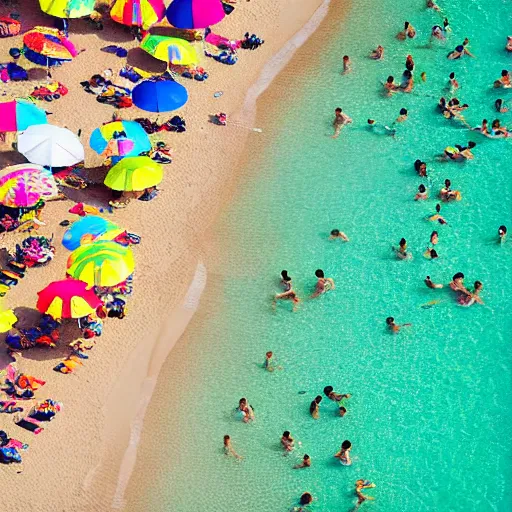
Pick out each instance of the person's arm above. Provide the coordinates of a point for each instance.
(467, 52)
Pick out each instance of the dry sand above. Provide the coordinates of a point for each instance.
(74, 464)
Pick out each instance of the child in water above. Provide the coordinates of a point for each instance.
(287, 441)
(347, 65)
(422, 194)
(393, 327)
(401, 252)
(361, 498)
(437, 217)
(336, 233)
(378, 53)
(244, 411)
(323, 284)
(268, 364)
(390, 87)
(432, 285)
(502, 233)
(314, 408)
(306, 462)
(229, 450)
(344, 454)
(474, 296)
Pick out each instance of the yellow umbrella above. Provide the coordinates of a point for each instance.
(134, 173)
(7, 320)
(170, 49)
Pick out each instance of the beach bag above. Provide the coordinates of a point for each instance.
(9, 27)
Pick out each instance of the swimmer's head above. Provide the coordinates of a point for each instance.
(403, 111)
(318, 399)
(433, 234)
(338, 110)
(226, 438)
(471, 144)
(438, 207)
(319, 273)
(403, 242)
(343, 411)
(498, 102)
(269, 354)
(346, 445)
(424, 76)
(457, 276)
(306, 456)
(427, 278)
(446, 22)
(390, 79)
(504, 72)
(502, 230)
(433, 254)
(285, 276)
(371, 121)
(485, 121)
(328, 390)
(459, 48)
(465, 42)
(496, 123)
(422, 188)
(306, 499)
(286, 434)
(478, 285)
(406, 25)
(242, 401)
(390, 320)
(442, 101)
(417, 164)
(447, 183)
(335, 232)
(346, 58)
(452, 76)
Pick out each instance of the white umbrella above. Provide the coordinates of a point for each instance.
(50, 145)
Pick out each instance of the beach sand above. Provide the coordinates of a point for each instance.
(74, 465)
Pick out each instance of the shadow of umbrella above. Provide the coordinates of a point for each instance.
(142, 60)
(11, 158)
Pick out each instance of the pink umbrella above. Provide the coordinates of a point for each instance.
(193, 14)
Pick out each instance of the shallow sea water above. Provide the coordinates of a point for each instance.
(431, 412)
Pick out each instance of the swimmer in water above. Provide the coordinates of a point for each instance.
(421, 168)
(430, 254)
(500, 106)
(390, 87)
(460, 51)
(422, 194)
(385, 130)
(336, 233)
(228, 448)
(361, 498)
(403, 116)
(408, 32)
(453, 85)
(437, 32)
(504, 81)
(473, 297)
(393, 327)
(340, 120)
(306, 462)
(457, 284)
(323, 284)
(378, 53)
(407, 81)
(432, 5)
(401, 252)
(245, 411)
(437, 217)
(447, 194)
(344, 454)
(508, 46)
(314, 408)
(347, 65)
(287, 441)
(409, 63)
(434, 237)
(305, 500)
(502, 233)
(432, 285)
(268, 364)
(497, 131)
(332, 395)
(288, 294)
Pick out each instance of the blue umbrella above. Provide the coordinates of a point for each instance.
(134, 132)
(159, 95)
(88, 225)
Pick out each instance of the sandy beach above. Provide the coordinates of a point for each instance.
(76, 462)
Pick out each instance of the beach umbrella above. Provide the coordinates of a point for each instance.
(7, 320)
(101, 263)
(170, 49)
(23, 185)
(193, 14)
(69, 298)
(67, 8)
(18, 115)
(135, 142)
(86, 229)
(138, 13)
(134, 174)
(47, 47)
(159, 95)
(50, 145)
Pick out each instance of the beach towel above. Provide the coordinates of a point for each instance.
(9, 407)
(223, 42)
(9, 27)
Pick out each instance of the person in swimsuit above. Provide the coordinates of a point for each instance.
(504, 81)
(402, 116)
(437, 217)
(430, 254)
(453, 85)
(361, 498)
(245, 411)
(268, 364)
(502, 233)
(432, 5)
(340, 120)
(500, 106)
(306, 462)
(378, 53)
(437, 32)
(508, 46)
(323, 284)
(347, 65)
(288, 294)
(390, 87)
(460, 51)
(432, 285)
(421, 168)
(287, 441)
(422, 194)
(474, 296)
(409, 63)
(305, 500)
(344, 454)
(385, 130)
(434, 237)
(314, 408)
(408, 32)
(393, 327)
(335, 397)
(407, 81)
(447, 194)
(401, 251)
(229, 450)
(336, 233)
(457, 284)
(497, 130)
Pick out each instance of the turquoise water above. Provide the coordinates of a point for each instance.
(430, 414)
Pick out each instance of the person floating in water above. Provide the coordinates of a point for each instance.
(432, 5)
(408, 32)
(305, 500)
(339, 398)
(228, 448)
(460, 51)
(474, 296)
(502, 233)
(323, 284)
(344, 454)
(385, 130)
(378, 53)
(336, 233)
(289, 293)
(347, 65)
(500, 106)
(437, 216)
(422, 193)
(390, 87)
(460, 153)
(305, 463)
(340, 120)
(432, 285)
(393, 327)
(287, 441)
(244, 411)
(361, 498)
(314, 408)
(401, 251)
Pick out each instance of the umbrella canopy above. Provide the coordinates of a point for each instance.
(101, 263)
(135, 134)
(159, 95)
(7, 320)
(47, 47)
(69, 298)
(170, 49)
(19, 114)
(138, 13)
(134, 174)
(86, 228)
(51, 146)
(67, 8)
(24, 185)
(194, 14)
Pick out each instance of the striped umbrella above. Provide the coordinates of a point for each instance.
(19, 114)
(194, 14)
(67, 8)
(47, 47)
(135, 142)
(170, 49)
(138, 13)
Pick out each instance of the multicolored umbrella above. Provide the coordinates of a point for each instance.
(86, 229)
(138, 13)
(134, 174)
(48, 47)
(135, 142)
(23, 185)
(19, 114)
(101, 263)
(170, 49)
(159, 95)
(50, 145)
(193, 14)
(67, 8)
(69, 298)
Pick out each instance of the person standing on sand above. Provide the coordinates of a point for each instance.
(229, 450)
(323, 284)
(340, 120)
